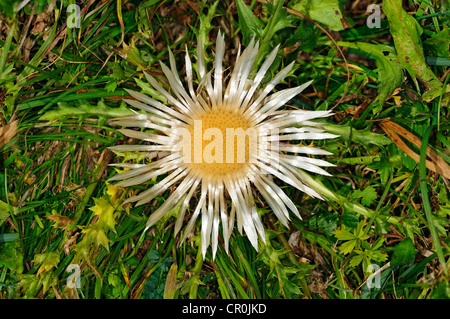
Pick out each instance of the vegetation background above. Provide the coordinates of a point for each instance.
(384, 72)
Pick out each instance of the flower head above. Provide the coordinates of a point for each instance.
(221, 141)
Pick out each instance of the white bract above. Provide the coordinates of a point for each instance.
(221, 141)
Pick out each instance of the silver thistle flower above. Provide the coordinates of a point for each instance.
(249, 144)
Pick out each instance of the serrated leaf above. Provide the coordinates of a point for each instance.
(205, 24)
(192, 281)
(47, 261)
(364, 137)
(384, 167)
(117, 71)
(102, 239)
(11, 257)
(283, 20)
(347, 247)
(378, 255)
(356, 260)
(250, 25)
(114, 192)
(343, 234)
(93, 235)
(369, 196)
(105, 212)
(390, 72)
(404, 253)
(30, 285)
(48, 280)
(111, 86)
(378, 243)
(83, 108)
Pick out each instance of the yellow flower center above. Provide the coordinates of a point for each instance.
(219, 143)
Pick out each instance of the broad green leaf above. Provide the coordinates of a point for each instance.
(327, 12)
(406, 32)
(404, 253)
(153, 255)
(155, 284)
(325, 222)
(349, 220)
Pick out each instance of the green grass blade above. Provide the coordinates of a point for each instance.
(426, 202)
